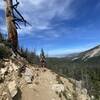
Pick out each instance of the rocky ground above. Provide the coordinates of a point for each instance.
(21, 81)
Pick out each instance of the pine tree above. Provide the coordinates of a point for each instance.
(1, 37)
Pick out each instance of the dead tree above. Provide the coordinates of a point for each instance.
(13, 16)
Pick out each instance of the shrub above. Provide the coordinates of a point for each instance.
(4, 52)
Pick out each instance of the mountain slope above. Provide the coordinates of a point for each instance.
(94, 52)
(36, 83)
(21, 81)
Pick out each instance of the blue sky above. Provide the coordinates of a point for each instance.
(58, 26)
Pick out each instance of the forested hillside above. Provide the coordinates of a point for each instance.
(88, 71)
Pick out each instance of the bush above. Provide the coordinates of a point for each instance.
(4, 52)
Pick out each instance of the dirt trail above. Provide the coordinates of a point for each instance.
(41, 89)
(50, 86)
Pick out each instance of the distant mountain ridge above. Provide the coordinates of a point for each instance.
(94, 52)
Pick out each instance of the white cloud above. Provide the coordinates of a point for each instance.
(40, 12)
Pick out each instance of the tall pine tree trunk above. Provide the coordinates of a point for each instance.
(12, 31)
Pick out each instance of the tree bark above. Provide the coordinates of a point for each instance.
(12, 31)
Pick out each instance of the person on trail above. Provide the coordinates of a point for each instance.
(42, 59)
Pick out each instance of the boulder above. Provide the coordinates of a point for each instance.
(15, 67)
(28, 75)
(3, 70)
(58, 87)
(13, 88)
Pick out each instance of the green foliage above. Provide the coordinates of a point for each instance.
(0, 37)
(31, 57)
(4, 52)
(42, 53)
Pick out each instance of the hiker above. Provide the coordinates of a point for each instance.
(42, 62)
